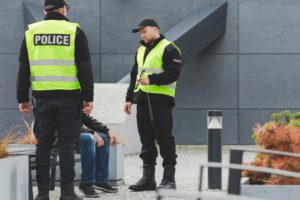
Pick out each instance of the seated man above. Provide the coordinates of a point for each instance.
(94, 143)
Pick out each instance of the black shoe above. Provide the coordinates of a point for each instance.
(88, 190)
(166, 184)
(168, 181)
(105, 187)
(143, 184)
(147, 182)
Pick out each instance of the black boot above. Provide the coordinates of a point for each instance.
(68, 193)
(168, 181)
(42, 196)
(43, 191)
(148, 180)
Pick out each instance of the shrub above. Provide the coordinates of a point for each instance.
(282, 133)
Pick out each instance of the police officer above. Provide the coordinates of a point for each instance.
(55, 62)
(152, 87)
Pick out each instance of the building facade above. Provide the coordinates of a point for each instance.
(249, 73)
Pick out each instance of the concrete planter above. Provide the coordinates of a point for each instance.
(14, 178)
(116, 165)
(274, 192)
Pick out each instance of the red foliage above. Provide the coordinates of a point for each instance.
(276, 137)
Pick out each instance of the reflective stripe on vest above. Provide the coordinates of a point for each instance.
(51, 53)
(155, 71)
(52, 62)
(54, 78)
(154, 64)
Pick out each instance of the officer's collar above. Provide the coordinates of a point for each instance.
(55, 16)
(154, 43)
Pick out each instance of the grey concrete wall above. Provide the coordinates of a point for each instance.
(249, 73)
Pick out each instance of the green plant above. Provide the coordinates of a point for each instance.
(297, 116)
(276, 118)
(287, 115)
(258, 155)
(294, 122)
(253, 136)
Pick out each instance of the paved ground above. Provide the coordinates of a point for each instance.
(187, 174)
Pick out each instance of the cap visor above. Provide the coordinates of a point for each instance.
(137, 29)
(49, 8)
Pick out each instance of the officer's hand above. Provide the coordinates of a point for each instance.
(127, 108)
(99, 140)
(88, 107)
(143, 81)
(24, 108)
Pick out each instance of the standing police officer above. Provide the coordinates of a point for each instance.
(153, 83)
(55, 61)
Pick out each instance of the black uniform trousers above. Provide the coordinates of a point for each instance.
(61, 116)
(160, 129)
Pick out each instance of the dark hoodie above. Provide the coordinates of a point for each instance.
(91, 124)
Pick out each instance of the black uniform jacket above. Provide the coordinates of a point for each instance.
(171, 65)
(83, 63)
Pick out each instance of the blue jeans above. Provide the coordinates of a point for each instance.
(94, 160)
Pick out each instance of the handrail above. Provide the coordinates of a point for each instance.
(236, 157)
(266, 151)
(180, 194)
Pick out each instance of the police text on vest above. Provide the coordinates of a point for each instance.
(52, 39)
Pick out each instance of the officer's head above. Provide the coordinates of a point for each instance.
(59, 6)
(148, 29)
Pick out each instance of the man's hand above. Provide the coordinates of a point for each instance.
(143, 81)
(99, 140)
(127, 107)
(24, 107)
(113, 138)
(88, 107)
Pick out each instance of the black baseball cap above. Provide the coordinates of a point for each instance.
(144, 23)
(50, 5)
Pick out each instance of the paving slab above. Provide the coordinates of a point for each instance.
(187, 174)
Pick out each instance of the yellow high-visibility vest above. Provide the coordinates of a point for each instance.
(154, 64)
(51, 53)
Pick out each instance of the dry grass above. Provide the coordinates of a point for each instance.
(28, 138)
(20, 134)
(8, 139)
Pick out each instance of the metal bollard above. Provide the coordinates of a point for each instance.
(214, 127)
